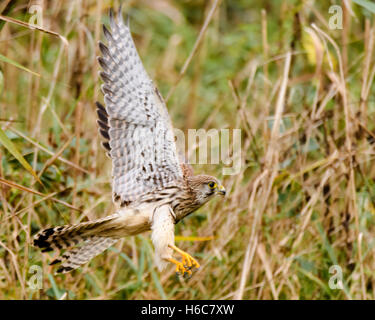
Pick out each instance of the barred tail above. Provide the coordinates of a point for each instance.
(81, 242)
(75, 257)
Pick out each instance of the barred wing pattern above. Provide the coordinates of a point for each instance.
(134, 121)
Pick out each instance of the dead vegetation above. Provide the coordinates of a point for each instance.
(299, 91)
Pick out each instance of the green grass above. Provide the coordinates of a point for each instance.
(303, 200)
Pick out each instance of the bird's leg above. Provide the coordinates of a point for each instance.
(188, 261)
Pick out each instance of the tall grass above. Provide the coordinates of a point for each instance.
(300, 92)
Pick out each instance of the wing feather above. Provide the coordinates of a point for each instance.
(135, 121)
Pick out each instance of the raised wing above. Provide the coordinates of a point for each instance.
(134, 121)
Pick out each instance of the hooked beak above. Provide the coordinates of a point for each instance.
(221, 190)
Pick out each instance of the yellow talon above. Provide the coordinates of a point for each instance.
(180, 268)
(188, 262)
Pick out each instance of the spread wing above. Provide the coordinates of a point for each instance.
(134, 121)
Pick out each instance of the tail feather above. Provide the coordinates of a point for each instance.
(81, 242)
(64, 237)
(76, 257)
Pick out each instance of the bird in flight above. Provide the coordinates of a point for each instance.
(151, 187)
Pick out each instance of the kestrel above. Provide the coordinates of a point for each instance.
(152, 188)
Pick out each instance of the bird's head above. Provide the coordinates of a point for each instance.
(205, 187)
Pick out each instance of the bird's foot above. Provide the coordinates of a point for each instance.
(181, 268)
(188, 262)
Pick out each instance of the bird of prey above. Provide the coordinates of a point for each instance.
(152, 188)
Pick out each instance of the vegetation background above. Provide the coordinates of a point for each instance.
(300, 91)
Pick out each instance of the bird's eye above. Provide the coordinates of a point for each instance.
(212, 185)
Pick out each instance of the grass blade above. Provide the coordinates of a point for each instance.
(193, 239)
(55, 288)
(16, 64)
(23, 188)
(32, 27)
(370, 6)
(5, 141)
(158, 285)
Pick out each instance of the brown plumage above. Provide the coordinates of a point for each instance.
(152, 188)
(84, 241)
